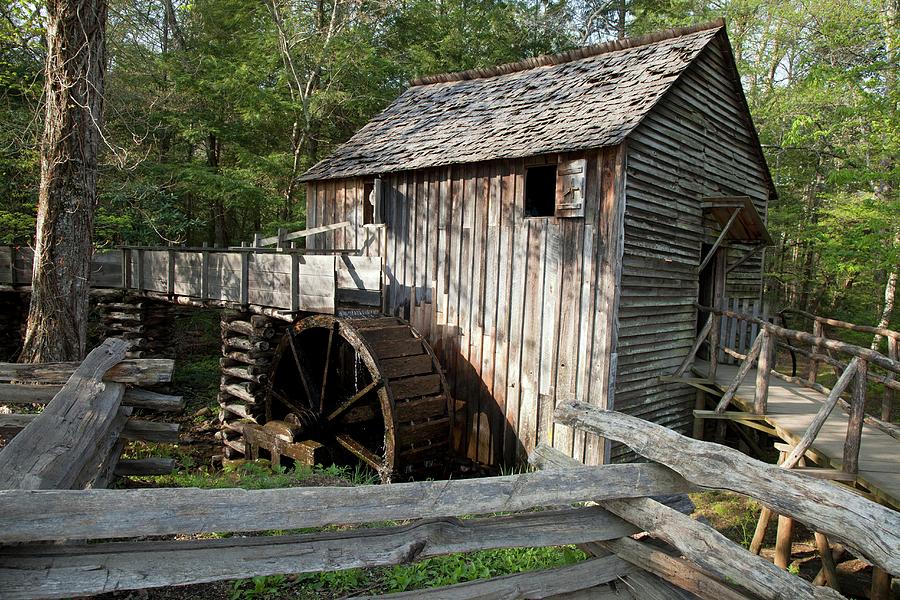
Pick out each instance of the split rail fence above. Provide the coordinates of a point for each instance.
(77, 439)
(102, 546)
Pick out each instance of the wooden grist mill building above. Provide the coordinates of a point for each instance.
(550, 226)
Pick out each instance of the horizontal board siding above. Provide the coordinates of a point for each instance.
(694, 144)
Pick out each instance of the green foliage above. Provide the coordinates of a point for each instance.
(257, 587)
(16, 227)
(432, 572)
(212, 114)
(459, 568)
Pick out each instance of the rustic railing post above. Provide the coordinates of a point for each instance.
(140, 270)
(257, 240)
(716, 321)
(204, 274)
(281, 244)
(763, 371)
(887, 401)
(170, 272)
(295, 280)
(857, 415)
(126, 268)
(818, 331)
(245, 274)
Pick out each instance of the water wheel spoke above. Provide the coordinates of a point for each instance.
(327, 365)
(360, 451)
(304, 376)
(284, 400)
(354, 399)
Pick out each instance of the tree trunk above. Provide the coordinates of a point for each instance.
(213, 150)
(890, 292)
(75, 73)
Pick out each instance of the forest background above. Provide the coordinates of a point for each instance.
(215, 107)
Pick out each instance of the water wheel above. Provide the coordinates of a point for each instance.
(366, 390)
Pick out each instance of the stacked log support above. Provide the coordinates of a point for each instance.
(13, 316)
(248, 346)
(147, 325)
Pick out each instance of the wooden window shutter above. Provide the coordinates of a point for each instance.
(375, 200)
(570, 182)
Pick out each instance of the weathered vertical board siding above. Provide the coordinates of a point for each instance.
(695, 143)
(335, 201)
(509, 303)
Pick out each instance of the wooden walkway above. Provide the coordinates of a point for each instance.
(791, 408)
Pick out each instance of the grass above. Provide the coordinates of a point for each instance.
(256, 475)
(432, 572)
(730, 514)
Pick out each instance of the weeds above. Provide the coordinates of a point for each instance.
(258, 587)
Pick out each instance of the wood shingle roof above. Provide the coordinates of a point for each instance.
(587, 98)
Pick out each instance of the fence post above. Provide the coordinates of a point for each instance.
(281, 244)
(763, 371)
(887, 401)
(855, 424)
(818, 331)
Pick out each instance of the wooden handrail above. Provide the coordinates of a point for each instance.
(284, 237)
(809, 339)
(890, 333)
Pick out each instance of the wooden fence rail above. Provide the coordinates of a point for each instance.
(76, 441)
(712, 567)
(873, 530)
(96, 528)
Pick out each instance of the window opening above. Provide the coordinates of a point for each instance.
(540, 191)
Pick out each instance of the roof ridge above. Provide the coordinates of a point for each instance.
(568, 56)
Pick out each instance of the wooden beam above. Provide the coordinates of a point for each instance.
(819, 420)
(141, 371)
(52, 451)
(808, 339)
(21, 393)
(704, 332)
(712, 251)
(294, 235)
(850, 462)
(711, 551)
(870, 529)
(676, 570)
(729, 415)
(750, 254)
(742, 371)
(48, 571)
(888, 333)
(93, 514)
(134, 429)
(763, 371)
